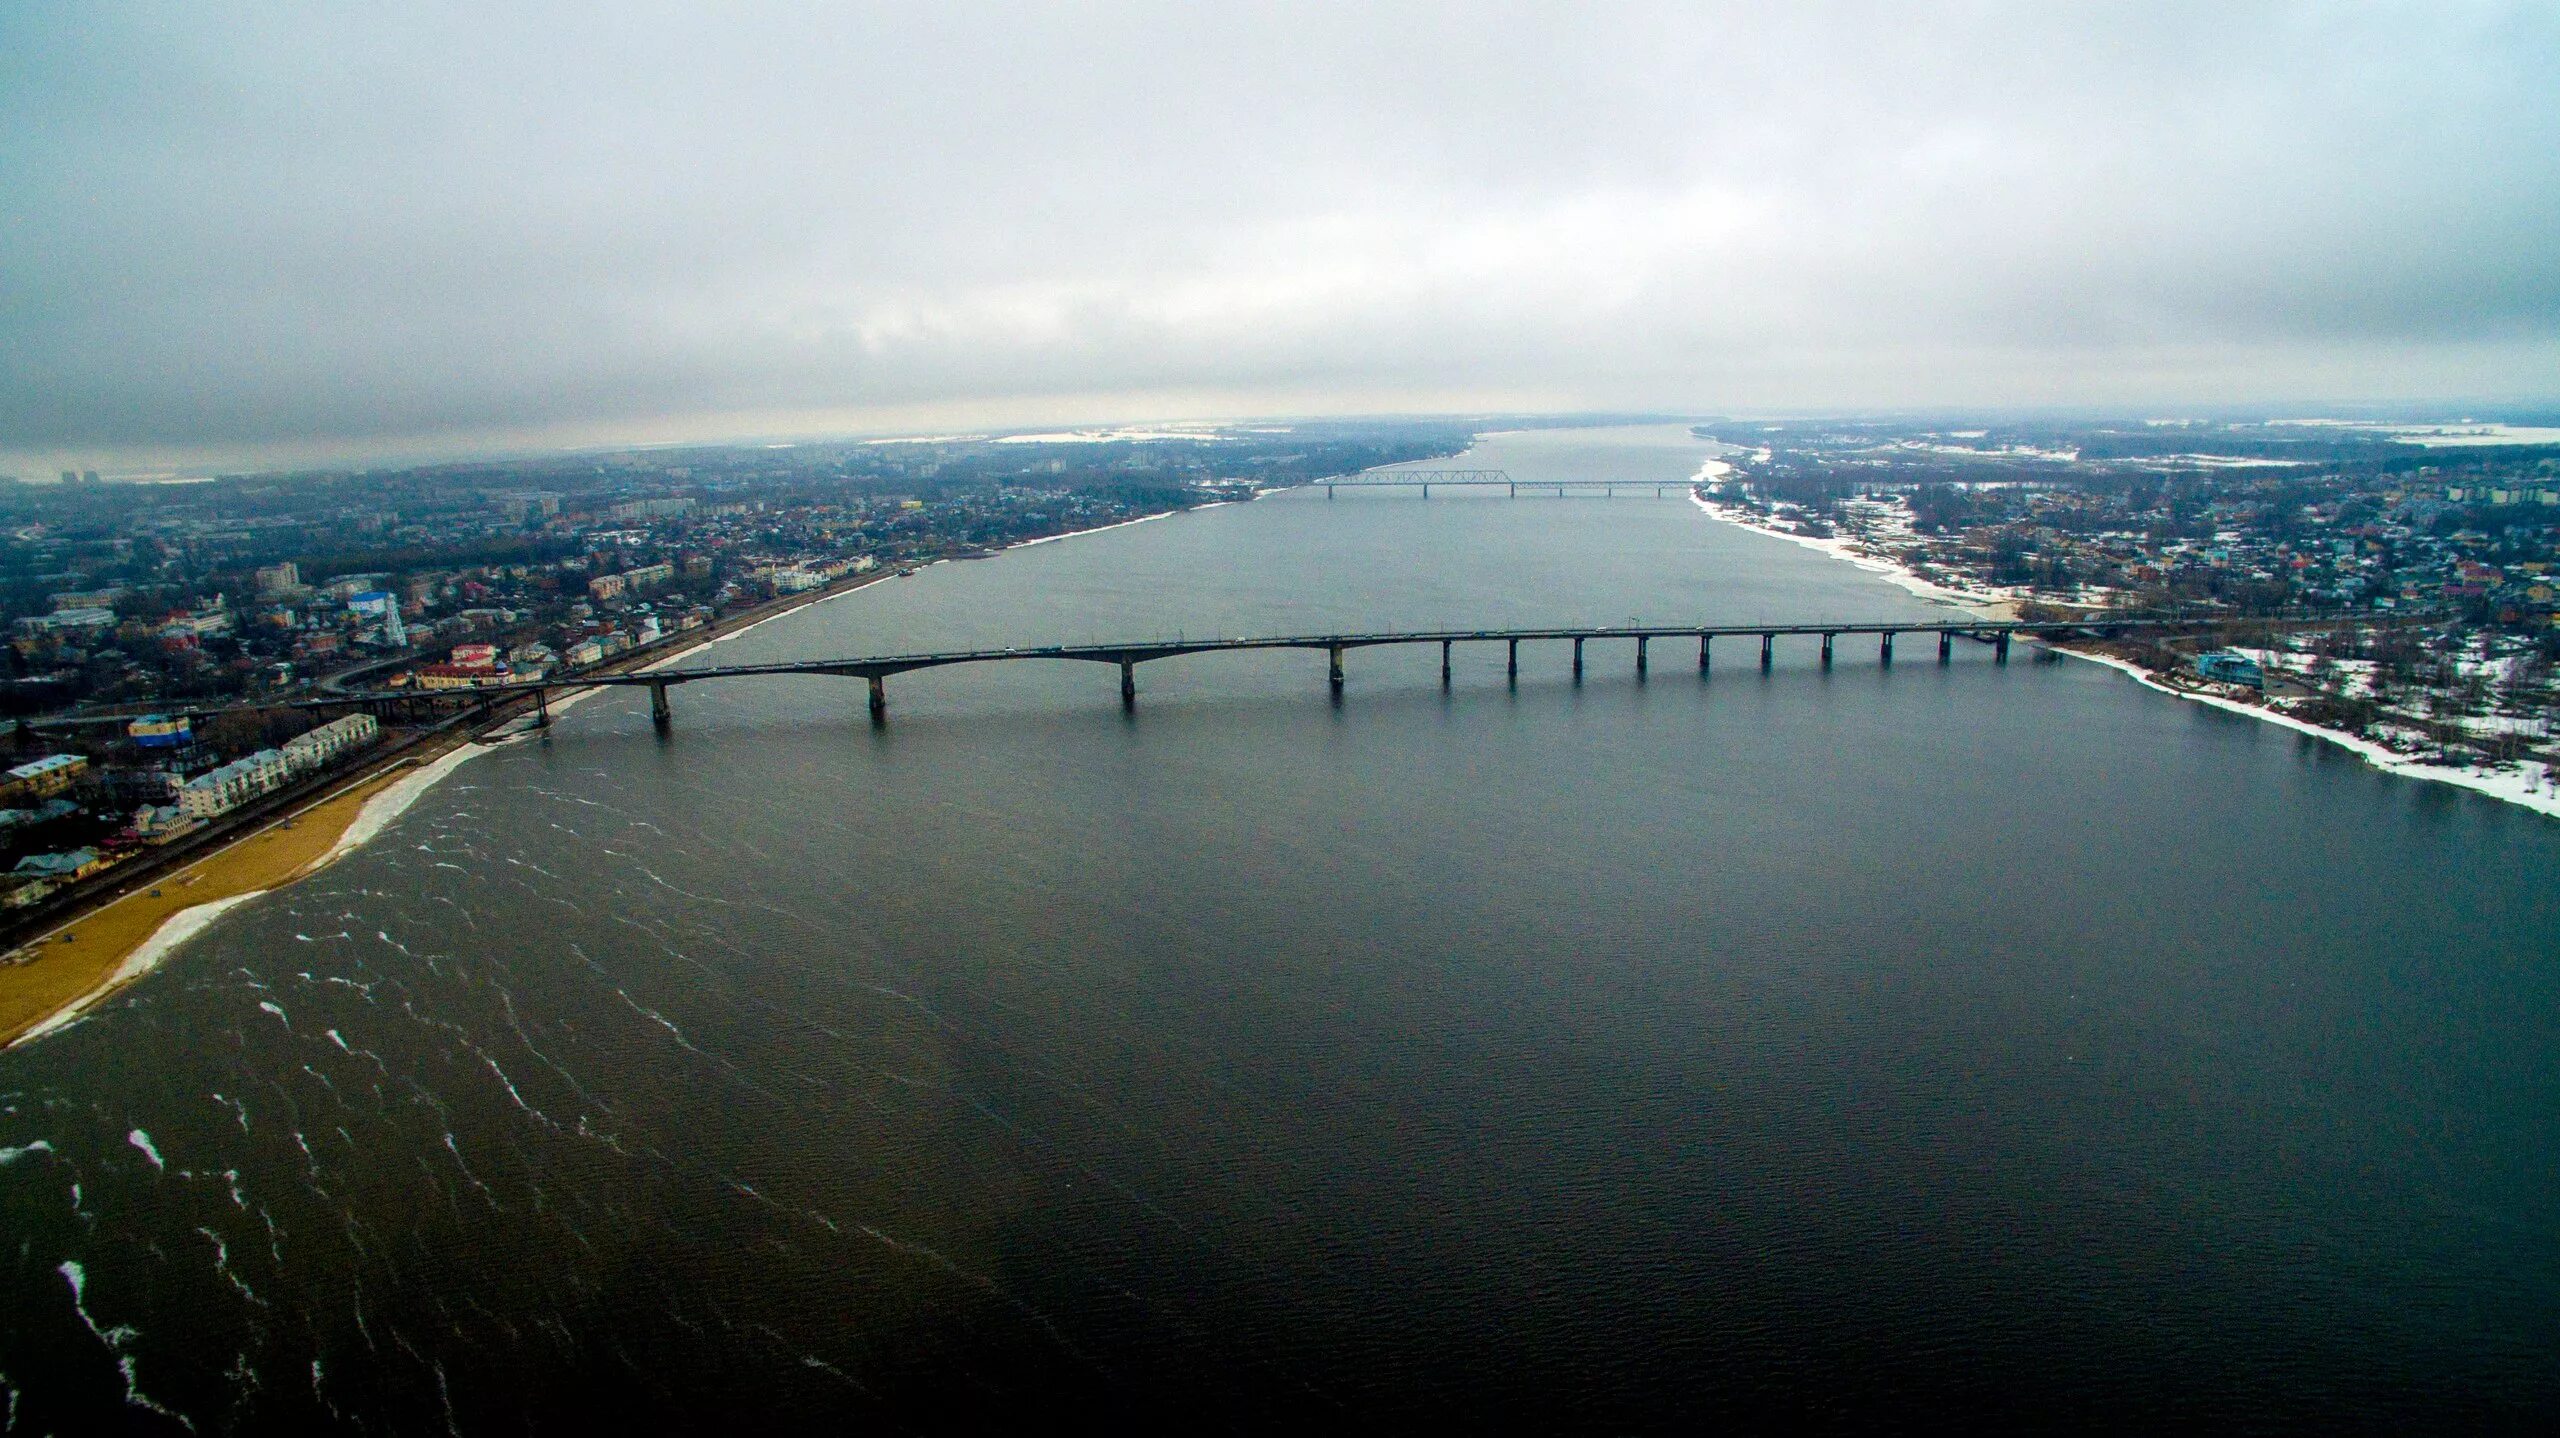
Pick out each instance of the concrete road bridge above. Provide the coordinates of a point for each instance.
(878, 669)
(1503, 479)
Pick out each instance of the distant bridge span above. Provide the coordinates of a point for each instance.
(1423, 479)
(1127, 656)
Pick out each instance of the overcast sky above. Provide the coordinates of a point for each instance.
(264, 234)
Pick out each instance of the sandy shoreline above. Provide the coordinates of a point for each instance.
(77, 965)
(121, 941)
(2528, 785)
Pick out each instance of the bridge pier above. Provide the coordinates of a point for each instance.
(1426, 491)
(1946, 646)
(1577, 661)
(2000, 648)
(1128, 684)
(1334, 669)
(1703, 641)
(1328, 491)
(660, 716)
(1884, 650)
(542, 709)
(879, 700)
(1515, 664)
(1826, 649)
(1640, 639)
(1768, 651)
(1444, 662)
(1515, 491)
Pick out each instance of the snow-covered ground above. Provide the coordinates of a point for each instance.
(2529, 783)
(1880, 524)
(2462, 433)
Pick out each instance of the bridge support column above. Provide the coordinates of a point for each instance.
(660, 716)
(1768, 651)
(1328, 491)
(1515, 491)
(1884, 650)
(1826, 651)
(1444, 663)
(1515, 664)
(1577, 661)
(2000, 648)
(542, 709)
(1640, 656)
(1426, 491)
(1333, 675)
(1128, 684)
(1703, 642)
(879, 700)
(1946, 646)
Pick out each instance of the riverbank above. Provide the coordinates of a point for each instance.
(2527, 783)
(70, 969)
(1983, 604)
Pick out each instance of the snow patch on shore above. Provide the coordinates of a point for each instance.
(1099, 528)
(1840, 549)
(2527, 785)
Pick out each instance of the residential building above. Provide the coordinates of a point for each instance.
(56, 868)
(67, 621)
(222, 790)
(321, 747)
(43, 778)
(454, 676)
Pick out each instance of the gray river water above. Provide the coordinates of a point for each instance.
(1856, 1047)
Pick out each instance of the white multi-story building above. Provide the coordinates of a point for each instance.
(321, 747)
(222, 790)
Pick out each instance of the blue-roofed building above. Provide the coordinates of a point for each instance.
(2230, 666)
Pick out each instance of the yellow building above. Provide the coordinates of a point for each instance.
(43, 778)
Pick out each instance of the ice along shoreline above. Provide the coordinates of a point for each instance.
(2530, 785)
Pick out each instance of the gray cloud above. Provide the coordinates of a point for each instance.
(334, 229)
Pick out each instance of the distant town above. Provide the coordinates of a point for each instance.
(160, 632)
(2407, 575)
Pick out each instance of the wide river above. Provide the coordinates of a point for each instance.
(1842, 1047)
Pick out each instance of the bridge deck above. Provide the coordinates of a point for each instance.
(1128, 654)
(1133, 652)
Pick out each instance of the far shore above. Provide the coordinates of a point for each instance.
(1981, 606)
(2516, 786)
